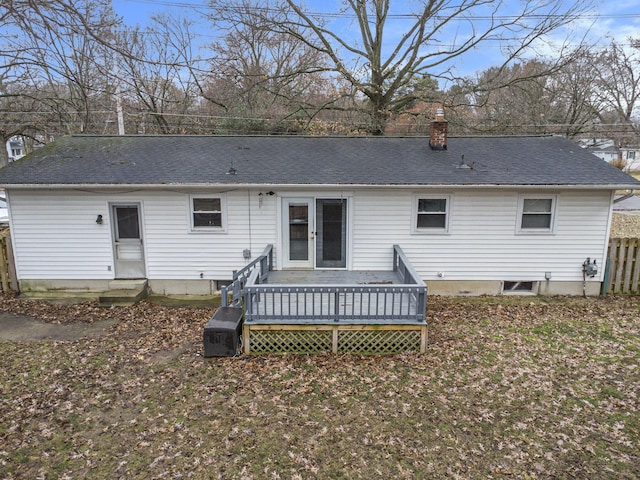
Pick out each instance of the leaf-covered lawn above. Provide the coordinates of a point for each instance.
(510, 387)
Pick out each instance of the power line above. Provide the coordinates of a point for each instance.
(616, 127)
(346, 15)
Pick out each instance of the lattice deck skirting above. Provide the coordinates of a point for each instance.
(334, 338)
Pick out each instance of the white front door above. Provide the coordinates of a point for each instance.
(127, 241)
(298, 234)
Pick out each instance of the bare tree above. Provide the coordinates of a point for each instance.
(378, 70)
(573, 103)
(155, 74)
(507, 100)
(416, 116)
(618, 89)
(269, 80)
(52, 68)
(530, 98)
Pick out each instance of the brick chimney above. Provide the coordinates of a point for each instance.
(438, 136)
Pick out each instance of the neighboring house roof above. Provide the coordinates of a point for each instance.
(605, 148)
(304, 160)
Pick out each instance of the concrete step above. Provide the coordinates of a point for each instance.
(134, 284)
(123, 296)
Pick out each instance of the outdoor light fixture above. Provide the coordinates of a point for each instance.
(261, 196)
(99, 220)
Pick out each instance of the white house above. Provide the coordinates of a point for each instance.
(473, 215)
(15, 149)
(606, 150)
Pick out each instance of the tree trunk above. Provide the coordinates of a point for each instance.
(4, 154)
(379, 118)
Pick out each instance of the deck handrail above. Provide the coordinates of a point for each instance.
(266, 263)
(313, 303)
(240, 277)
(404, 268)
(364, 303)
(402, 265)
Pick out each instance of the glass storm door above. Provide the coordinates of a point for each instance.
(127, 242)
(297, 232)
(331, 233)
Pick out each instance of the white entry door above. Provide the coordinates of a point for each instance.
(127, 241)
(298, 235)
(314, 233)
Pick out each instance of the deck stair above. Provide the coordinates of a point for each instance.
(124, 292)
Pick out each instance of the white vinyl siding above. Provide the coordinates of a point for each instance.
(174, 252)
(55, 234)
(482, 242)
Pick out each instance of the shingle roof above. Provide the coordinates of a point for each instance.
(292, 160)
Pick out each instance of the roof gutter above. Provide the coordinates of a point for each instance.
(624, 197)
(298, 186)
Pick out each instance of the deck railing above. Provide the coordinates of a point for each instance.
(383, 304)
(409, 276)
(260, 267)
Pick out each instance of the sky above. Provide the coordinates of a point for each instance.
(618, 19)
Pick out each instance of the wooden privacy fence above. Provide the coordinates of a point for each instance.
(622, 273)
(8, 277)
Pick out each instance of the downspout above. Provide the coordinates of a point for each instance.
(625, 196)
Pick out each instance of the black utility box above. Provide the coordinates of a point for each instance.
(222, 333)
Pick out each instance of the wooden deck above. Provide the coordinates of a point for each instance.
(311, 311)
(314, 304)
(311, 297)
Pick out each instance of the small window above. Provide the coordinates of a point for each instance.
(207, 212)
(432, 214)
(536, 214)
(517, 287)
(631, 155)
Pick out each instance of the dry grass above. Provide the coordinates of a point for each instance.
(510, 388)
(625, 225)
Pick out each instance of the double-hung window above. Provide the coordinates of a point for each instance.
(536, 214)
(207, 213)
(431, 214)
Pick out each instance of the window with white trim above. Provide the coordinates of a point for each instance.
(536, 214)
(431, 214)
(207, 212)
